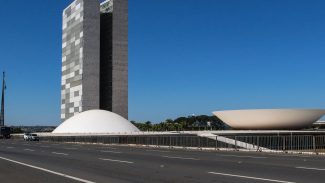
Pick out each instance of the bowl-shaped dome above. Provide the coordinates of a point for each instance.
(96, 121)
(270, 119)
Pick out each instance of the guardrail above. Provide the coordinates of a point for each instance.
(287, 143)
(300, 143)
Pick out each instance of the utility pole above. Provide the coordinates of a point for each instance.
(2, 115)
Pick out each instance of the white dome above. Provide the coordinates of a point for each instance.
(96, 121)
(270, 119)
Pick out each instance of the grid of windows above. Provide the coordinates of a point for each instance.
(94, 57)
(72, 59)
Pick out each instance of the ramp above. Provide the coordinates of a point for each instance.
(233, 142)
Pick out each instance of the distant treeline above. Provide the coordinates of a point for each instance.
(202, 122)
(24, 129)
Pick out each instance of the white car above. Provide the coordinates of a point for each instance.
(31, 137)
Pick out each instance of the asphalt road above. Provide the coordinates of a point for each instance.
(32, 162)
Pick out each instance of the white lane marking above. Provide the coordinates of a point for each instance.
(70, 148)
(292, 155)
(76, 145)
(10, 147)
(177, 157)
(45, 146)
(108, 148)
(29, 150)
(115, 152)
(60, 153)
(156, 151)
(311, 168)
(115, 160)
(47, 170)
(238, 156)
(248, 177)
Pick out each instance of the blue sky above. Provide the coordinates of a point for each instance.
(185, 57)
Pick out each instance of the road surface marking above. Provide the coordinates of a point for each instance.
(238, 156)
(157, 151)
(70, 148)
(107, 148)
(47, 170)
(116, 152)
(177, 157)
(310, 168)
(76, 145)
(10, 147)
(60, 153)
(115, 160)
(292, 155)
(45, 146)
(29, 150)
(247, 177)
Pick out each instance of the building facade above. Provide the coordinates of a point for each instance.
(95, 57)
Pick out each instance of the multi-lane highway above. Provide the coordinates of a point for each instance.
(58, 162)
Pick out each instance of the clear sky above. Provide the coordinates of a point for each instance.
(185, 57)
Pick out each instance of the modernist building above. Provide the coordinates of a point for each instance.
(95, 57)
(270, 119)
(102, 122)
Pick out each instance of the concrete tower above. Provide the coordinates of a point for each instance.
(95, 57)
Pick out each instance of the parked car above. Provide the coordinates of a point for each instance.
(31, 137)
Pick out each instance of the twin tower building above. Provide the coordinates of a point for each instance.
(95, 57)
